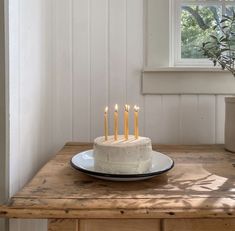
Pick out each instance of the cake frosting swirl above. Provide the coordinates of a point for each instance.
(132, 156)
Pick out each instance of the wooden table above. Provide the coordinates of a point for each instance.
(198, 194)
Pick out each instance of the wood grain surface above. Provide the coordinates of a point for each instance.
(63, 224)
(202, 184)
(120, 225)
(199, 225)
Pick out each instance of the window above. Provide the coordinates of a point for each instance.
(192, 23)
(172, 34)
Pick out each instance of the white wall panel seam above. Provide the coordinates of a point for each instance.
(144, 116)
(89, 36)
(72, 69)
(108, 52)
(108, 58)
(216, 125)
(54, 85)
(180, 119)
(20, 90)
(126, 54)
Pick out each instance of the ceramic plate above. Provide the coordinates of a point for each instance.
(84, 162)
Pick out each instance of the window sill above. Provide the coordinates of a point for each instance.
(183, 69)
(187, 80)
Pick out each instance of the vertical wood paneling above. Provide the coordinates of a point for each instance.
(14, 225)
(206, 124)
(62, 71)
(46, 110)
(220, 119)
(120, 224)
(99, 65)
(30, 95)
(14, 102)
(154, 118)
(63, 224)
(30, 86)
(14, 92)
(35, 225)
(171, 118)
(188, 119)
(134, 57)
(81, 70)
(3, 109)
(198, 224)
(162, 116)
(117, 56)
(28, 225)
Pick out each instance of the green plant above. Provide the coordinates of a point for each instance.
(221, 46)
(197, 23)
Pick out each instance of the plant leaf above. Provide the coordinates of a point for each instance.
(224, 20)
(214, 37)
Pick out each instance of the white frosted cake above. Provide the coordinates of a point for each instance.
(132, 156)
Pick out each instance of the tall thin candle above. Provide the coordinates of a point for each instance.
(106, 123)
(116, 122)
(136, 121)
(126, 121)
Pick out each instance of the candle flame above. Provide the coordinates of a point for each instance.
(106, 109)
(116, 107)
(127, 108)
(136, 108)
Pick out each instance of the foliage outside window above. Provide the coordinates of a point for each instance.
(194, 22)
(220, 47)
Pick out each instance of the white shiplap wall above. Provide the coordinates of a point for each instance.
(30, 71)
(70, 58)
(3, 109)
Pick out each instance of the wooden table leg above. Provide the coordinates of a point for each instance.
(63, 225)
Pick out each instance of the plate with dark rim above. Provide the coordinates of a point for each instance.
(84, 162)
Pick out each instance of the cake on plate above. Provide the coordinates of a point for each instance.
(122, 156)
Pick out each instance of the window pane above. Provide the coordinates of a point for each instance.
(197, 23)
(229, 10)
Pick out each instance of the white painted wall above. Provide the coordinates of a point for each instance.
(3, 117)
(103, 43)
(68, 59)
(31, 94)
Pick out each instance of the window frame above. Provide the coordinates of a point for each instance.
(175, 59)
(159, 77)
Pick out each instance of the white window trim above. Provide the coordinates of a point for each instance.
(159, 76)
(175, 39)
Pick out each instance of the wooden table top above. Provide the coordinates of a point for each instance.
(202, 184)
